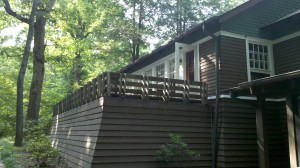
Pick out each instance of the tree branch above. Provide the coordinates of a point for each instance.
(13, 13)
(86, 35)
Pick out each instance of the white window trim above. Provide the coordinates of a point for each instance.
(270, 55)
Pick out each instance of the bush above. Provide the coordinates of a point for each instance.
(6, 153)
(39, 145)
(176, 151)
(42, 154)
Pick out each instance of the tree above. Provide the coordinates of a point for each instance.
(176, 16)
(43, 11)
(87, 37)
(138, 23)
(23, 67)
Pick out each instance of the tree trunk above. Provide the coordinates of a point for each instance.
(78, 68)
(21, 76)
(38, 69)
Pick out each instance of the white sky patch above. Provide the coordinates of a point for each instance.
(12, 32)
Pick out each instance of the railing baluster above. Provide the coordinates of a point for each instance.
(108, 84)
(94, 89)
(184, 91)
(120, 85)
(187, 86)
(124, 85)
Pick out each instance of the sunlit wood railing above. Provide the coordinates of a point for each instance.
(134, 86)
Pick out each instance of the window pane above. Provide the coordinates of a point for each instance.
(251, 56)
(261, 65)
(251, 63)
(261, 57)
(256, 64)
(265, 49)
(266, 57)
(250, 47)
(260, 48)
(255, 48)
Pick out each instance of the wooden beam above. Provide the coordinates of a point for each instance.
(262, 139)
(292, 109)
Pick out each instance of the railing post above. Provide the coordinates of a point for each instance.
(143, 88)
(146, 88)
(120, 85)
(204, 93)
(81, 95)
(94, 89)
(124, 85)
(187, 86)
(108, 83)
(184, 91)
(165, 91)
(99, 86)
(89, 92)
(84, 94)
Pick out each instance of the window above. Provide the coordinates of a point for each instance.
(172, 68)
(258, 57)
(259, 60)
(148, 72)
(160, 70)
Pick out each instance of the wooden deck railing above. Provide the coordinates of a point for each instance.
(134, 86)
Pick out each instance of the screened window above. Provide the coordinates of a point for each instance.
(160, 70)
(259, 57)
(172, 68)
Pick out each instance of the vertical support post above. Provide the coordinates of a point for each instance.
(187, 86)
(203, 92)
(262, 139)
(94, 88)
(184, 91)
(124, 85)
(99, 86)
(84, 93)
(143, 87)
(89, 92)
(120, 85)
(165, 91)
(292, 109)
(108, 84)
(147, 88)
(81, 94)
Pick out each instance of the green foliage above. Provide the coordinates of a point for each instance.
(38, 144)
(175, 151)
(6, 153)
(42, 154)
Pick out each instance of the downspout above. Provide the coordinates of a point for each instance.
(216, 109)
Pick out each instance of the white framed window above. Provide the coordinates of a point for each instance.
(259, 60)
(160, 70)
(171, 68)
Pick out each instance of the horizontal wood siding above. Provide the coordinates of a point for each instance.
(287, 56)
(75, 133)
(232, 62)
(277, 135)
(133, 130)
(207, 65)
(237, 134)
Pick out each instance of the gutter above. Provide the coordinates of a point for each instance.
(216, 109)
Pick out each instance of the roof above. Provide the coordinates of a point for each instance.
(214, 21)
(273, 86)
(295, 14)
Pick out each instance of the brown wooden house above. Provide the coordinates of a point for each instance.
(249, 58)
